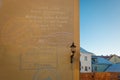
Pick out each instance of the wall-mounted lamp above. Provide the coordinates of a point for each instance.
(73, 50)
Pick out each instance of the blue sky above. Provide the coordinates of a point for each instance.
(100, 26)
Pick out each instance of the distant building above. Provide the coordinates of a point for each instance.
(85, 60)
(106, 57)
(114, 59)
(100, 64)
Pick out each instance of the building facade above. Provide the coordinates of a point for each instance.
(100, 64)
(114, 59)
(85, 60)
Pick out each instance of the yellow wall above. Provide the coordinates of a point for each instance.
(35, 39)
(76, 39)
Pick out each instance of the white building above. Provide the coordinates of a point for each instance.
(85, 60)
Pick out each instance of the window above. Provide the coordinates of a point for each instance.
(85, 58)
(94, 60)
(89, 67)
(95, 68)
(86, 68)
(82, 67)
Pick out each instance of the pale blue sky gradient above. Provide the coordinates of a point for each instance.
(100, 26)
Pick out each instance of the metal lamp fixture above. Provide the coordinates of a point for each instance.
(73, 50)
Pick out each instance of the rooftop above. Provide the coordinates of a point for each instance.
(85, 51)
(114, 68)
(100, 60)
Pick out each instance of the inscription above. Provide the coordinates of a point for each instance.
(41, 32)
(56, 39)
(50, 18)
(50, 75)
(39, 60)
(48, 78)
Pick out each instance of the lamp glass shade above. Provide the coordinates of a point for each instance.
(73, 48)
